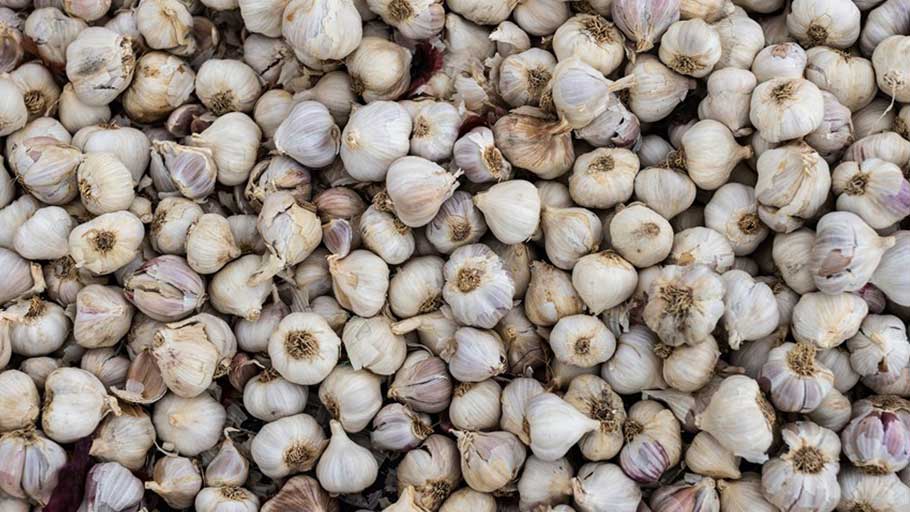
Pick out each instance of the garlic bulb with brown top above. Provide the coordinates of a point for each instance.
(685, 304)
(288, 445)
(489, 460)
(478, 288)
(784, 109)
(794, 380)
(653, 442)
(739, 418)
(303, 348)
(432, 470)
(874, 189)
(595, 398)
(807, 179)
(529, 138)
(835, 23)
(805, 476)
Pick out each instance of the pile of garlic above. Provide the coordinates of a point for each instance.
(455, 256)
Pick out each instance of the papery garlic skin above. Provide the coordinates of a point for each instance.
(19, 402)
(644, 22)
(75, 401)
(874, 189)
(478, 289)
(345, 467)
(491, 460)
(828, 320)
(653, 443)
(784, 109)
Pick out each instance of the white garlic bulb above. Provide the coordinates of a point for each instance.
(234, 141)
(835, 23)
(604, 177)
(685, 304)
(103, 316)
(524, 76)
(303, 348)
(161, 83)
(478, 289)
(653, 442)
(874, 189)
(657, 89)
(544, 483)
(288, 445)
(125, 439)
(591, 272)
(417, 188)
(379, 69)
(750, 309)
(107, 242)
(728, 100)
(477, 156)
(846, 252)
(75, 401)
(230, 290)
(20, 403)
(783, 60)
(786, 108)
(191, 425)
(511, 209)
(699, 149)
(436, 126)
(310, 38)
(739, 418)
(215, 499)
(345, 466)
(375, 136)
(268, 396)
(176, 480)
(309, 135)
(635, 365)
(795, 381)
(351, 396)
(555, 426)
(690, 47)
(785, 208)
(44, 235)
(605, 487)
(805, 476)
(489, 460)
(532, 139)
(360, 281)
(880, 346)
(644, 23)
(828, 320)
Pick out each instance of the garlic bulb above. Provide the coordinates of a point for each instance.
(524, 76)
(878, 492)
(874, 189)
(360, 281)
(739, 418)
(591, 271)
(634, 366)
(475, 355)
(688, 367)
(34, 466)
(20, 402)
(234, 140)
(191, 425)
(288, 445)
(165, 288)
(875, 440)
(100, 65)
(593, 39)
(176, 480)
(309, 135)
(743, 495)
(554, 426)
(784, 109)
(268, 396)
(569, 234)
(529, 138)
(303, 348)
(46, 168)
(105, 184)
(784, 60)
(849, 78)
(489, 460)
(75, 401)
(311, 39)
(125, 439)
(15, 113)
(396, 427)
(230, 290)
(215, 499)
(371, 343)
(846, 252)
(352, 397)
(835, 23)
(685, 304)
(414, 19)
(161, 83)
(653, 442)
(828, 320)
(690, 47)
(210, 244)
(227, 85)
(605, 487)
(345, 466)
(478, 289)
(436, 126)
(582, 340)
(808, 179)
(707, 457)
(379, 69)
(644, 22)
(103, 316)
(640, 235)
(750, 309)
(701, 246)
(511, 209)
(657, 89)
(382, 233)
(544, 483)
(476, 406)
(35, 327)
(805, 476)
(44, 234)
(432, 470)
(604, 177)
(422, 383)
(728, 100)
(417, 188)
(794, 380)
(375, 136)
(477, 156)
(880, 346)
(699, 150)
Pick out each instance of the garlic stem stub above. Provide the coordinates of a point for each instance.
(455, 255)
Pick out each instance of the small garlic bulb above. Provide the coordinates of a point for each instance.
(191, 425)
(846, 252)
(604, 177)
(569, 234)
(99, 65)
(524, 76)
(833, 23)
(398, 428)
(591, 272)
(345, 467)
(379, 69)
(783, 60)
(436, 126)
(125, 439)
(20, 402)
(739, 418)
(510, 39)
(688, 368)
(235, 499)
(531, 139)
(44, 235)
(107, 242)
(595, 398)
(656, 89)
(690, 47)
(733, 212)
(827, 320)
(103, 316)
(744, 495)
(304, 348)
(685, 304)
(874, 189)
(511, 209)
(550, 295)
(234, 141)
(708, 152)
(786, 108)
(476, 406)
(489, 460)
(794, 380)
(805, 476)
(417, 188)
(459, 222)
(176, 480)
(45, 167)
(478, 289)
(162, 82)
(227, 85)
(875, 440)
(605, 487)
(475, 355)
(555, 425)
(728, 100)
(640, 235)
(750, 308)
(360, 281)
(432, 471)
(422, 383)
(477, 156)
(210, 244)
(305, 29)
(105, 184)
(351, 396)
(876, 492)
(653, 442)
(880, 346)
(582, 340)
(231, 292)
(515, 398)
(784, 209)
(668, 191)
(75, 401)
(644, 22)
(288, 445)
(309, 135)
(375, 136)
(268, 396)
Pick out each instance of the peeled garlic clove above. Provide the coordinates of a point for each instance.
(605, 487)
(125, 439)
(489, 460)
(345, 467)
(641, 235)
(739, 418)
(303, 348)
(810, 462)
(653, 442)
(846, 252)
(176, 480)
(19, 402)
(288, 445)
(190, 425)
(107, 242)
(827, 320)
(422, 383)
(231, 292)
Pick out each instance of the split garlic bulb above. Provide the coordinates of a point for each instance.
(685, 304)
